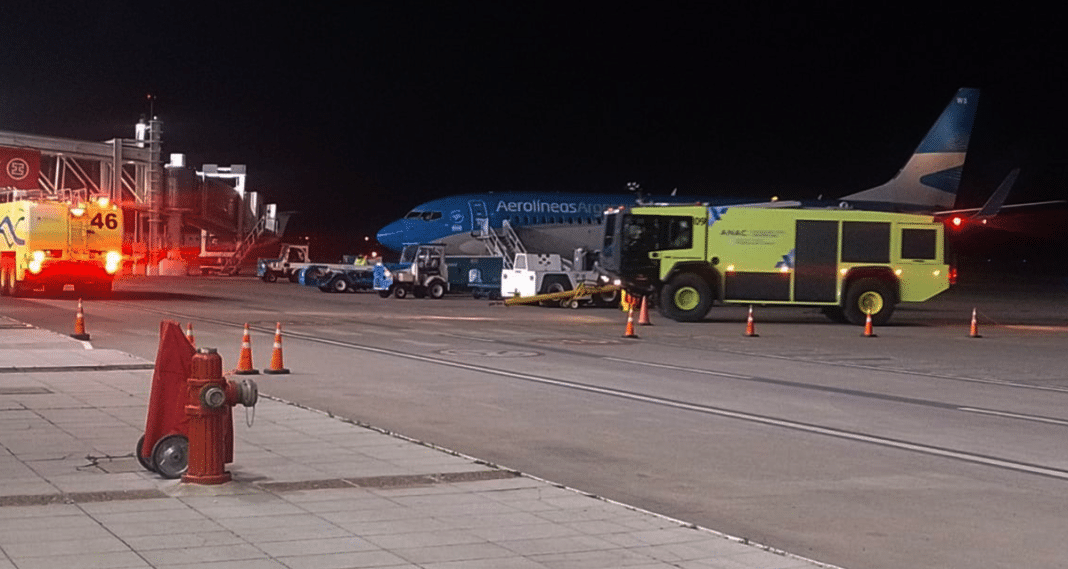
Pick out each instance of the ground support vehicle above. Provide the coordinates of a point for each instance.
(346, 280)
(291, 258)
(421, 264)
(480, 275)
(426, 274)
(850, 263)
(50, 244)
(293, 264)
(545, 277)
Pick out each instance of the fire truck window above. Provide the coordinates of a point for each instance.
(918, 243)
(865, 242)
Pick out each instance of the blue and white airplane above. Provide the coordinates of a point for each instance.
(560, 223)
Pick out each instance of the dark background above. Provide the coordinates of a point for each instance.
(355, 114)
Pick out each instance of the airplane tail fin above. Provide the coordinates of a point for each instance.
(931, 177)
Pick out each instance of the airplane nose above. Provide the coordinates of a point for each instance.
(391, 236)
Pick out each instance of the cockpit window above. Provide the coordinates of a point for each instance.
(424, 215)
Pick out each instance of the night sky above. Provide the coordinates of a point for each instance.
(354, 114)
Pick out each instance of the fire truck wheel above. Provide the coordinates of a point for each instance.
(170, 456)
(269, 277)
(5, 275)
(15, 288)
(436, 289)
(145, 462)
(386, 293)
(686, 298)
(869, 296)
(400, 292)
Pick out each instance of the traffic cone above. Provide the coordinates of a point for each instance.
(189, 335)
(750, 328)
(276, 354)
(974, 332)
(79, 324)
(244, 361)
(868, 332)
(630, 324)
(643, 316)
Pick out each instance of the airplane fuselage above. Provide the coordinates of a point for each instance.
(560, 223)
(547, 223)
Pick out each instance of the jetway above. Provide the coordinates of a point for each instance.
(165, 206)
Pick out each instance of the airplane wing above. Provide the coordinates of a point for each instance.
(994, 204)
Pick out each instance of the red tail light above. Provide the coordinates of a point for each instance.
(952, 275)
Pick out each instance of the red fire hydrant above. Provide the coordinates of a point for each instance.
(211, 427)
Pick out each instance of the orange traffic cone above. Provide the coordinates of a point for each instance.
(974, 332)
(244, 361)
(750, 328)
(276, 354)
(643, 316)
(630, 324)
(189, 335)
(868, 332)
(79, 324)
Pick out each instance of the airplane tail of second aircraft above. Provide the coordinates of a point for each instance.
(931, 177)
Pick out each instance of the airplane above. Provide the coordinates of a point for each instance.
(561, 223)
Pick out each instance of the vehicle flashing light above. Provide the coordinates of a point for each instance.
(957, 221)
(730, 268)
(897, 272)
(77, 211)
(112, 261)
(36, 261)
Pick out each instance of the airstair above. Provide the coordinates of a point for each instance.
(231, 264)
(504, 244)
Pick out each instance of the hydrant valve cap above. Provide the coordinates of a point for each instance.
(212, 397)
(248, 392)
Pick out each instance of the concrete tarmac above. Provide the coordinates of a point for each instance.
(309, 490)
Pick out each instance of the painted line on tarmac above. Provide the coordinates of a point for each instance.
(854, 392)
(750, 417)
(719, 412)
(1037, 328)
(1034, 418)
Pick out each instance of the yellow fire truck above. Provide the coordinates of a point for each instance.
(850, 263)
(50, 244)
